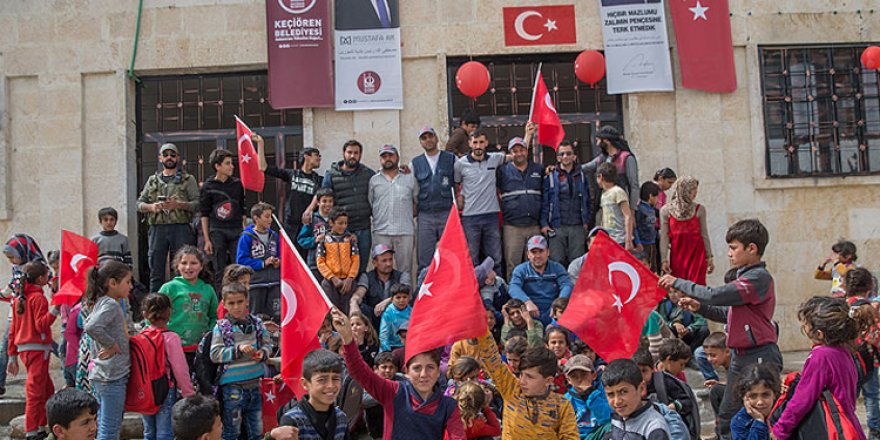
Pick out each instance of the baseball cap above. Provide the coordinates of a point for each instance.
(537, 242)
(579, 362)
(380, 249)
(515, 141)
(168, 146)
(427, 130)
(387, 148)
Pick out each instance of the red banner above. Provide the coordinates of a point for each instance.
(704, 44)
(539, 25)
(300, 47)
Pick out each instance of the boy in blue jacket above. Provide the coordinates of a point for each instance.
(258, 249)
(586, 395)
(393, 317)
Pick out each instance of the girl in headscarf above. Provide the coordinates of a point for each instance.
(685, 249)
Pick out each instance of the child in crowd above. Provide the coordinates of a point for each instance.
(258, 249)
(751, 299)
(530, 409)
(664, 179)
(830, 366)
(30, 337)
(646, 219)
(464, 368)
(317, 418)
(108, 283)
(617, 218)
(338, 260)
(843, 256)
(586, 395)
(460, 349)
(53, 258)
(683, 324)
(478, 419)
(72, 333)
(242, 345)
(518, 322)
(415, 406)
(558, 341)
(633, 416)
(157, 310)
(313, 233)
(222, 209)
(386, 367)
(365, 336)
(112, 244)
(664, 388)
(234, 273)
(758, 387)
(653, 333)
(717, 355)
(858, 284)
(196, 418)
(557, 307)
(514, 349)
(674, 356)
(394, 317)
(193, 301)
(72, 415)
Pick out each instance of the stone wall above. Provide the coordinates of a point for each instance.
(67, 119)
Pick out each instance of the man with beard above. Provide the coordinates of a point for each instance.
(393, 198)
(520, 183)
(373, 292)
(435, 173)
(615, 150)
(169, 200)
(350, 182)
(221, 203)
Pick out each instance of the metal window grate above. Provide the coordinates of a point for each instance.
(821, 111)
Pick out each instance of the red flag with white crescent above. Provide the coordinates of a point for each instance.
(550, 132)
(450, 284)
(611, 300)
(78, 254)
(248, 165)
(303, 306)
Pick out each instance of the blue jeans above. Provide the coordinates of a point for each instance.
(431, 226)
(111, 407)
(365, 246)
(158, 426)
(871, 389)
(483, 233)
(706, 367)
(242, 405)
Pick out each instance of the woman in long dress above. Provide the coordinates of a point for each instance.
(685, 249)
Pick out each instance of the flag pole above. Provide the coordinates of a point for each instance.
(299, 257)
(534, 91)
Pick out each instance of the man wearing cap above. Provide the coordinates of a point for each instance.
(520, 183)
(459, 140)
(350, 182)
(565, 209)
(435, 172)
(373, 292)
(169, 199)
(539, 281)
(304, 183)
(393, 198)
(478, 199)
(615, 150)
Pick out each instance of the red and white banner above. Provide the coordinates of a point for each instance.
(299, 44)
(248, 165)
(78, 254)
(544, 114)
(539, 25)
(636, 46)
(704, 44)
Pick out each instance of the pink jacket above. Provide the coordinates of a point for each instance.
(176, 362)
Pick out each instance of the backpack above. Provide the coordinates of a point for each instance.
(148, 386)
(692, 420)
(205, 373)
(825, 421)
(678, 430)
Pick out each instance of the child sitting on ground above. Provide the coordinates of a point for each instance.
(72, 414)
(317, 418)
(557, 340)
(196, 418)
(464, 369)
(633, 416)
(718, 355)
(758, 387)
(394, 317)
(478, 419)
(662, 387)
(674, 357)
(586, 395)
(518, 322)
(513, 351)
(843, 258)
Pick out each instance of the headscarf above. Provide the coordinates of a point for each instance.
(681, 204)
(25, 248)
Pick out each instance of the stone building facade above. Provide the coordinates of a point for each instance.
(69, 119)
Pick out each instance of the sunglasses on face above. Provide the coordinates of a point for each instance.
(169, 154)
(566, 153)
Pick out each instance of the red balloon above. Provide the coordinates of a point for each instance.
(590, 66)
(871, 57)
(472, 79)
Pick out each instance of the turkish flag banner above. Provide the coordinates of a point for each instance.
(78, 254)
(251, 176)
(303, 306)
(448, 307)
(704, 44)
(274, 396)
(611, 300)
(544, 114)
(539, 25)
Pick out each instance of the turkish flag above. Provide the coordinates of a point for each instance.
(539, 25)
(704, 44)
(274, 396)
(248, 164)
(448, 307)
(303, 307)
(78, 254)
(544, 114)
(611, 300)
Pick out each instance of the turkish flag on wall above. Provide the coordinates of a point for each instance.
(448, 307)
(544, 114)
(303, 307)
(611, 300)
(704, 44)
(78, 254)
(251, 176)
(538, 25)
(274, 396)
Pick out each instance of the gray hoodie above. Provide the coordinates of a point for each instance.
(106, 326)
